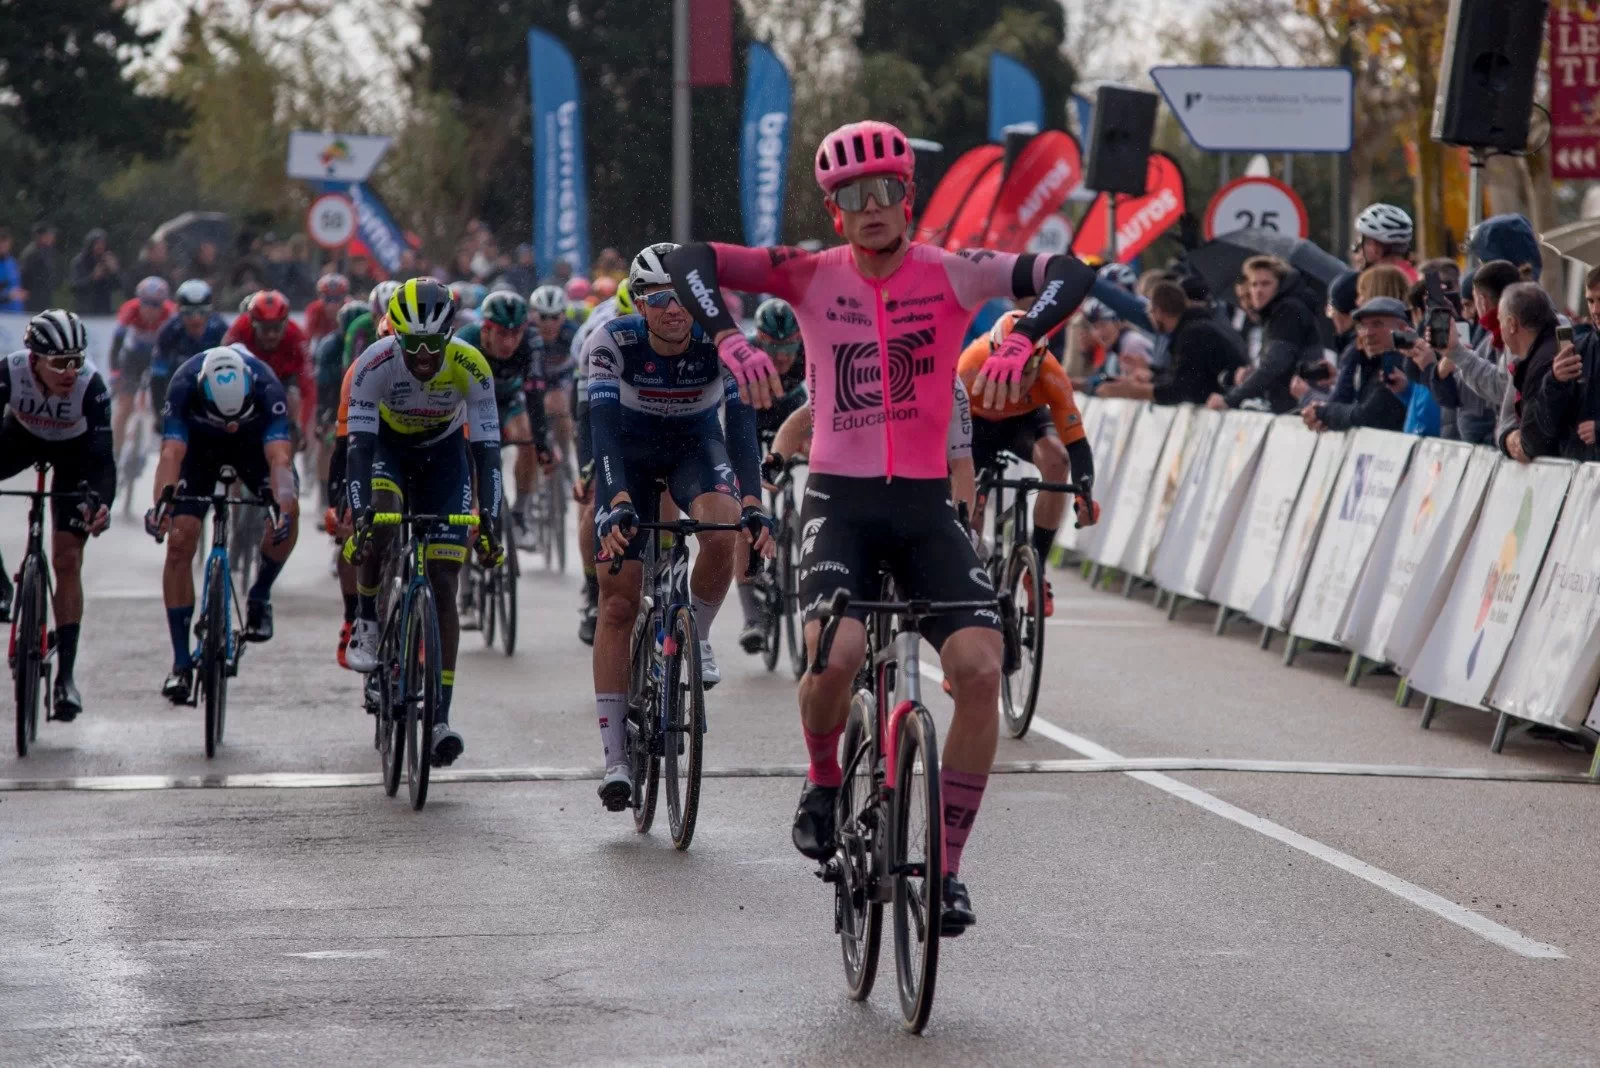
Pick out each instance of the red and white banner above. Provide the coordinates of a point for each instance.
(972, 221)
(953, 189)
(1575, 89)
(1046, 171)
(1140, 220)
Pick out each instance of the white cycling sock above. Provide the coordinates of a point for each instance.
(612, 708)
(747, 601)
(705, 612)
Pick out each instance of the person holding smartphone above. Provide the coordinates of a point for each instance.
(1372, 379)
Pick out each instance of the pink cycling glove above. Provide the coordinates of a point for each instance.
(748, 363)
(1007, 363)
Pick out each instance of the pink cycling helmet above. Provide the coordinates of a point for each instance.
(862, 148)
(578, 288)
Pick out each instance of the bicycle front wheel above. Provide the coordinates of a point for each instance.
(916, 863)
(558, 529)
(423, 662)
(29, 639)
(506, 595)
(391, 705)
(644, 756)
(484, 595)
(214, 654)
(1019, 685)
(684, 700)
(859, 909)
(789, 600)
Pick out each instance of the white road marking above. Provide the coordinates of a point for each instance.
(1442, 907)
(342, 954)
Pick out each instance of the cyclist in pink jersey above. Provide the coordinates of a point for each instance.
(883, 319)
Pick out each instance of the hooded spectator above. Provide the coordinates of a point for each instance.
(95, 275)
(1289, 325)
(1510, 238)
(154, 262)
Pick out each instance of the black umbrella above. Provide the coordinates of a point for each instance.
(187, 232)
(1221, 260)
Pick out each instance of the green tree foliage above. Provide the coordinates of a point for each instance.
(478, 61)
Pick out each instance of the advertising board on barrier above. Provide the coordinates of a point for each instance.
(1124, 509)
(1416, 514)
(1374, 464)
(1108, 442)
(1093, 410)
(1163, 495)
(1264, 515)
(1202, 527)
(1274, 604)
(1553, 666)
(1424, 596)
(1171, 565)
(1468, 641)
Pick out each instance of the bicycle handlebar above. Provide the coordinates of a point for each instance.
(395, 519)
(915, 609)
(683, 528)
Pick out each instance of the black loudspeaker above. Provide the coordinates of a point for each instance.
(1119, 140)
(1491, 54)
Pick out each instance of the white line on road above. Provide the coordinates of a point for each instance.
(1442, 907)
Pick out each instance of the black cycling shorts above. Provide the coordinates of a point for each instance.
(853, 530)
(1015, 435)
(690, 466)
(71, 462)
(432, 479)
(132, 363)
(204, 460)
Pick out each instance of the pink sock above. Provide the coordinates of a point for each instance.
(824, 750)
(962, 792)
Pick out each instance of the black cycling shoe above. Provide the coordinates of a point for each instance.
(813, 831)
(258, 621)
(65, 701)
(957, 914)
(753, 637)
(179, 686)
(586, 625)
(447, 745)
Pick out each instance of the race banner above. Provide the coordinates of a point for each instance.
(1140, 220)
(764, 147)
(1176, 455)
(1553, 665)
(971, 223)
(1418, 511)
(1373, 467)
(1264, 516)
(954, 188)
(1014, 96)
(1274, 605)
(1108, 444)
(560, 179)
(1468, 641)
(1124, 510)
(1439, 563)
(1574, 91)
(1044, 173)
(1209, 519)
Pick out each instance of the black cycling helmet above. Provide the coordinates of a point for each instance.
(504, 309)
(776, 321)
(56, 332)
(352, 310)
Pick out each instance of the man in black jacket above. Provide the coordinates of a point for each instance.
(1531, 426)
(1370, 374)
(38, 267)
(1281, 300)
(1202, 360)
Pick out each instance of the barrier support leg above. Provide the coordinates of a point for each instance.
(1402, 693)
(1594, 766)
(1221, 625)
(1127, 585)
(1083, 567)
(1503, 727)
(1429, 707)
(1352, 674)
(1290, 648)
(1160, 598)
(1093, 576)
(1172, 605)
(1266, 638)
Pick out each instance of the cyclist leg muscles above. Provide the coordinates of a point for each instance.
(838, 547)
(440, 478)
(514, 427)
(619, 593)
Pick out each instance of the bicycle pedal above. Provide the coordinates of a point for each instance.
(829, 871)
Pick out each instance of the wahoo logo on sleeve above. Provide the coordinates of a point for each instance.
(702, 294)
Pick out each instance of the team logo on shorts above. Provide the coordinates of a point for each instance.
(808, 536)
(981, 577)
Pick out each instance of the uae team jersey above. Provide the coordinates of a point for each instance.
(860, 333)
(85, 408)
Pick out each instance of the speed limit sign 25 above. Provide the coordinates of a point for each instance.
(1257, 204)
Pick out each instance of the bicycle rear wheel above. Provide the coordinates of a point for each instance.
(558, 529)
(789, 600)
(916, 862)
(391, 705)
(485, 597)
(644, 764)
(858, 908)
(550, 489)
(1019, 685)
(683, 695)
(422, 667)
(29, 637)
(506, 595)
(214, 654)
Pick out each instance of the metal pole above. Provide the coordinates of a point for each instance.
(1343, 173)
(1222, 171)
(681, 223)
(1288, 169)
(1111, 228)
(1474, 201)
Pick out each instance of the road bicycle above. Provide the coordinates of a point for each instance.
(775, 582)
(1015, 568)
(218, 630)
(666, 696)
(31, 649)
(406, 686)
(135, 443)
(494, 591)
(889, 816)
(547, 517)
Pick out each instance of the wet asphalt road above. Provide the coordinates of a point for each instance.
(1122, 919)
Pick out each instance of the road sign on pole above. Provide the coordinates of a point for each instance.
(1262, 109)
(331, 220)
(332, 157)
(1257, 204)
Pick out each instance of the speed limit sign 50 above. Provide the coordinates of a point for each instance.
(1257, 203)
(331, 222)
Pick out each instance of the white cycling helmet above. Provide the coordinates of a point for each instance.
(379, 298)
(548, 300)
(647, 268)
(1385, 224)
(194, 295)
(226, 382)
(56, 332)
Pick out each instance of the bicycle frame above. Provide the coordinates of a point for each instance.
(991, 480)
(35, 544)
